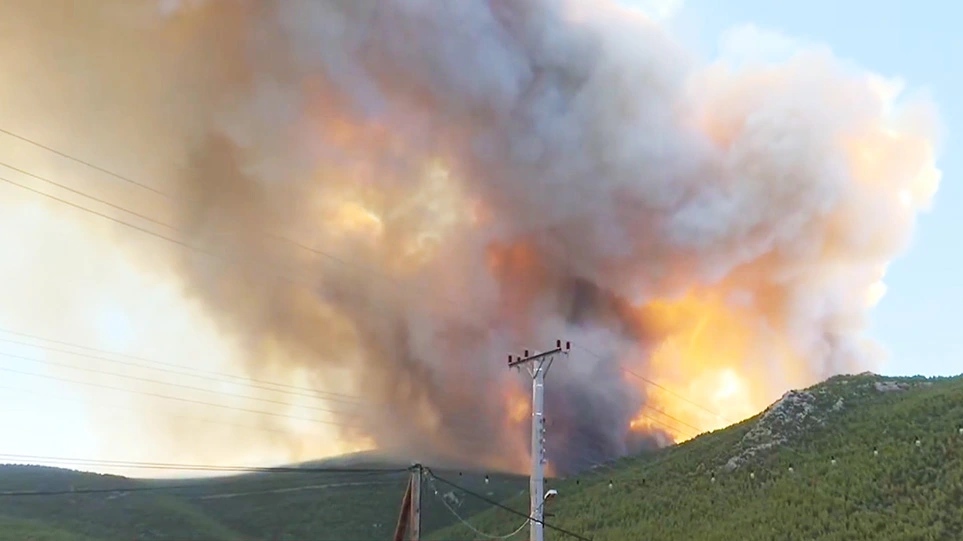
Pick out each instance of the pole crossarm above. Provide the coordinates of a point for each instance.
(513, 362)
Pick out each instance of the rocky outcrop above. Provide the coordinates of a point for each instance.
(799, 411)
(890, 386)
(790, 415)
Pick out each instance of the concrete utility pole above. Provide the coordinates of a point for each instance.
(537, 366)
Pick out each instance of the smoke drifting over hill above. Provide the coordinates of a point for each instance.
(399, 193)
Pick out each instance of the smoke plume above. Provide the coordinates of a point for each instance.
(403, 192)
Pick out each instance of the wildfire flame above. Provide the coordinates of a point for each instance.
(704, 366)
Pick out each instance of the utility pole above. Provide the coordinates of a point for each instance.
(416, 474)
(537, 366)
(403, 517)
(409, 520)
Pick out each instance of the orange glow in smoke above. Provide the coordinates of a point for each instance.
(703, 366)
(519, 407)
(354, 218)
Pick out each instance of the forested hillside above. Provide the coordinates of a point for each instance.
(857, 457)
(276, 506)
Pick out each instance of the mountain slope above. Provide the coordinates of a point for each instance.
(12, 529)
(264, 506)
(837, 461)
(803, 469)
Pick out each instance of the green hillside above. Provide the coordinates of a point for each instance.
(263, 506)
(838, 461)
(32, 530)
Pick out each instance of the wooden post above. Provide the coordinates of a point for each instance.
(414, 487)
(402, 528)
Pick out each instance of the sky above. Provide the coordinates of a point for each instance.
(912, 40)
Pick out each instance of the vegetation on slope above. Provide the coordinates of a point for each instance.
(264, 506)
(12, 529)
(837, 461)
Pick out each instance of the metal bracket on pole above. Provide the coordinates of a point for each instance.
(538, 366)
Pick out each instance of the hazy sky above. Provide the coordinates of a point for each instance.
(912, 40)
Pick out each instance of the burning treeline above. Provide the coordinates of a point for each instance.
(402, 192)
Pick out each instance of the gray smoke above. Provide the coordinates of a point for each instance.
(407, 190)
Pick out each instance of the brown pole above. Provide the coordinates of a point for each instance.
(415, 521)
(402, 528)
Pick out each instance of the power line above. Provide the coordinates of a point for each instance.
(168, 397)
(666, 425)
(469, 525)
(83, 162)
(222, 496)
(181, 243)
(167, 196)
(676, 419)
(216, 376)
(140, 229)
(654, 384)
(246, 397)
(506, 508)
(203, 251)
(111, 218)
(201, 467)
(119, 407)
(170, 384)
(677, 395)
(97, 490)
(458, 433)
(212, 391)
(186, 245)
(87, 195)
(294, 242)
(157, 488)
